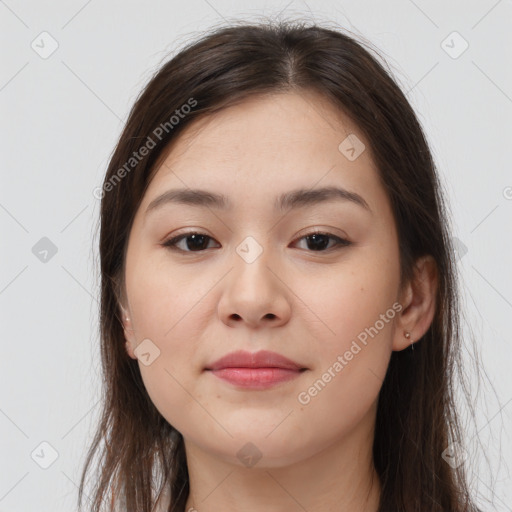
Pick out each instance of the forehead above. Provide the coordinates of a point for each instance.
(271, 121)
(267, 143)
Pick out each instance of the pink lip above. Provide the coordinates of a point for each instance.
(258, 370)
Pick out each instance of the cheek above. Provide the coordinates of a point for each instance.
(345, 301)
(353, 344)
(355, 309)
(161, 297)
(337, 403)
(165, 308)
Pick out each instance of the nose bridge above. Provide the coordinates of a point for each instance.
(251, 262)
(250, 250)
(253, 292)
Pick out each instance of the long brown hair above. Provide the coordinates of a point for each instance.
(141, 453)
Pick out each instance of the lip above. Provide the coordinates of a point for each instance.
(255, 370)
(261, 359)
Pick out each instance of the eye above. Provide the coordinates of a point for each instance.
(319, 240)
(194, 242)
(197, 242)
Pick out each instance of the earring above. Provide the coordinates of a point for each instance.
(407, 334)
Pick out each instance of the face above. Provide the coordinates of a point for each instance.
(316, 281)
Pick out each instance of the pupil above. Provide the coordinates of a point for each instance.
(196, 238)
(316, 244)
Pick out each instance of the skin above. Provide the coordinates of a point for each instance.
(197, 306)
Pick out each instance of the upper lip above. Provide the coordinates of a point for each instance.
(261, 359)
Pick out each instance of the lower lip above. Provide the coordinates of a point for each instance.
(256, 378)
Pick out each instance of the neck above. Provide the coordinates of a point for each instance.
(340, 478)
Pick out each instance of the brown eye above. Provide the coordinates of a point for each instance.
(319, 241)
(194, 242)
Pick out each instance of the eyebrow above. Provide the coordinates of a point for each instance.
(289, 200)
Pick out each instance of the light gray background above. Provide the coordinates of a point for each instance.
(60, 118)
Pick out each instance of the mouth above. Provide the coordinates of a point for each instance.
(259, 370)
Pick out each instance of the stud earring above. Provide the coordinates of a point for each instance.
(407, 334)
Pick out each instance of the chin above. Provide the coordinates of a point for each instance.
(254, 449)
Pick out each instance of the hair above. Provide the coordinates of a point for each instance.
(142, 455)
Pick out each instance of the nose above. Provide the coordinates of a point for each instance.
(255, 293)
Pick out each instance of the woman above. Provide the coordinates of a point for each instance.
(279, 315)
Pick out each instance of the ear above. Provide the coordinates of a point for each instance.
(129, 334)
(418, 299)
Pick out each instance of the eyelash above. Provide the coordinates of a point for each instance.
(171, 243)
